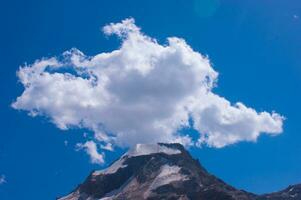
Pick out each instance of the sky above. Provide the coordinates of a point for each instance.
(173, 66)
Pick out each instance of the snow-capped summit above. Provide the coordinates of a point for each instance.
(138, 150)
(163, 171)
(146, 149)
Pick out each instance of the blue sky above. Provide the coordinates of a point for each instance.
(255, 46)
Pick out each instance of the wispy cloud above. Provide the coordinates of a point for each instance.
(2, 179)
(91, 148)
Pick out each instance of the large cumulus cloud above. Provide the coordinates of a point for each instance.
(143, 92)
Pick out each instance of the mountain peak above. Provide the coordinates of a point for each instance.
(141, 150)
(162, 171)
(147, 149)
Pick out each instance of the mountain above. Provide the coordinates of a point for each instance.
(163, 171)
(293, 192)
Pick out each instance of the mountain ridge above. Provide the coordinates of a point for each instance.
(164, 171)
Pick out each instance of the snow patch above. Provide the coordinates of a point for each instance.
(167, 175)
(113, 168)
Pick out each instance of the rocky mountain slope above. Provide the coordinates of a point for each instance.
(163, 171)
(293, 192)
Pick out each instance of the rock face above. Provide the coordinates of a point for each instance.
(293, 192)
(163, 171)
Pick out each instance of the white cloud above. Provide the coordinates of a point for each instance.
(91, 148)
(143, 92)
(226, 124)
(107, 147)
(2, 179)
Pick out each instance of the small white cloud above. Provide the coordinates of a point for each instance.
(143, 92)
(2, 179)
(122, 29)
(91, 149)
(107, 147)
